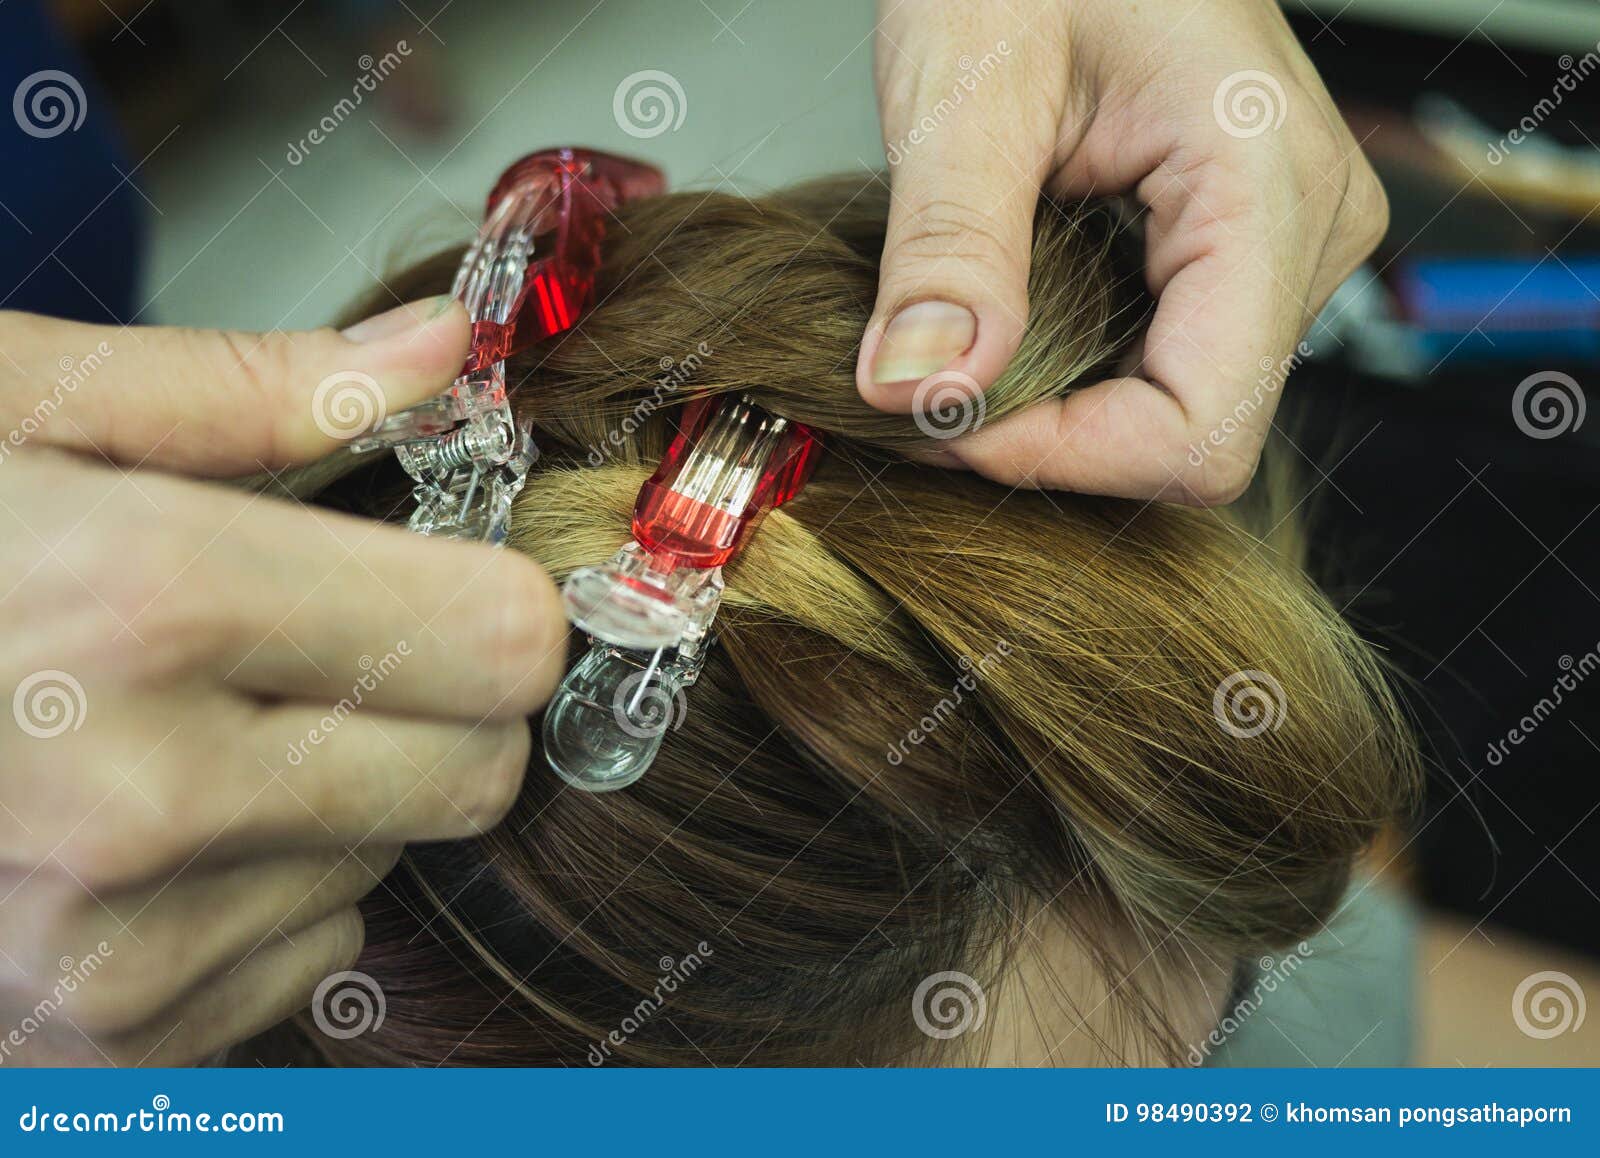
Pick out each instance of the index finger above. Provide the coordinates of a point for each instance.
(339, 608)
(220, 402)
(287, 601)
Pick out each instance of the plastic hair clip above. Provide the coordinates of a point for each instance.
(528, 276)
(648, 611)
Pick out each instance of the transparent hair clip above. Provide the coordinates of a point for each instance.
(527, 277)
(648, 611)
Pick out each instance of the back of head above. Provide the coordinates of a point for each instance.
(947, 728)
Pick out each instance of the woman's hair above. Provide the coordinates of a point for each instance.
(941, 716)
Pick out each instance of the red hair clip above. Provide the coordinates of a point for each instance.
(529, 276)
(648, 611)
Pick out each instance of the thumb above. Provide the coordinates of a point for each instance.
(953, 282)
(220, 402)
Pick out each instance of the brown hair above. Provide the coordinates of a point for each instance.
(941, 715)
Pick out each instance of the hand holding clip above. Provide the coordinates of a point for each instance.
(175, 651)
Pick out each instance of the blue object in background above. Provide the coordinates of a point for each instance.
(71, 222)
(1345, 997)
(1503, 309)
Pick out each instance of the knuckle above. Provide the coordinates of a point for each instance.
(1220, 480)
(944, 229)
(1368, 203)
(1347, 190)
(259, 363)
(178, 635)
(1320, 177)
(270, 370)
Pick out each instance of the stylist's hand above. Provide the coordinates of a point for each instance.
(220, 714)
(1251, 224)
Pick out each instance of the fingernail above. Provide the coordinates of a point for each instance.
(921, 340)
(401, 319)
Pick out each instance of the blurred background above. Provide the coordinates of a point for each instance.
(270, 161)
